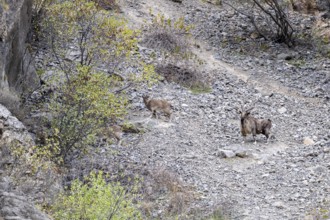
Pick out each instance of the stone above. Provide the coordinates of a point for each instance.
(215, 2)
(285, 56)
(279, 204)
(14, 123)
(225, 154)
(4, 112)
(308, 141)
(282, 110)
(14, 206)
(243, 153)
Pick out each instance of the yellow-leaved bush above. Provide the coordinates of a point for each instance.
(86, 104)
(95, 200)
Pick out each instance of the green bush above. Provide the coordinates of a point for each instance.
(95, 200)
(81, 109)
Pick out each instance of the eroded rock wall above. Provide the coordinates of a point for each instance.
(21, 188)
(16, 66)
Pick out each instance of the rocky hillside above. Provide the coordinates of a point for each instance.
(195, 166)
(285, 179)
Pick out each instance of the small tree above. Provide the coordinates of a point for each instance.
(82, 107)
(82, 34)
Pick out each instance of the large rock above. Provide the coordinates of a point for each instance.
(30, 187)
(323, 5)
(16, 206)
(16, 65)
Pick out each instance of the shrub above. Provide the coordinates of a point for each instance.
(270, 19)
(96, 37)
(169, 194)
(190, 77)
(95, 200)
(168, 35)
(171, 41)
(81, 108)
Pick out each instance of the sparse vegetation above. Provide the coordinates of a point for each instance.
(297, 62)
(108, 4)
(321, 213)
(194, 79)
(169, 36)
(4, 5)
(95, 199)
(171, 41)
(217, 215)
(214, 2)
(200, 88)
(23, 163)
(176, 195)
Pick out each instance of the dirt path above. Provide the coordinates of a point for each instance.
(263, 84)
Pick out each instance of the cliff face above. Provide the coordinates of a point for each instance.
(16, 67)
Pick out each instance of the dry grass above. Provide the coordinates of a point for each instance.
(167, 193)
(166, 196)
(161, 35)
(163, 40)
(190, 77)
(173, 56)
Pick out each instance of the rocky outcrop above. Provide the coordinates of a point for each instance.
(15, 206)
(20, 186)
(16, 66)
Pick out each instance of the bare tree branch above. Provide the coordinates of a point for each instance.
(276, 14)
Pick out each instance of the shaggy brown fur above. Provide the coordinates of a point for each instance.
(114, 131)
(251, 125)
(155, 105)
